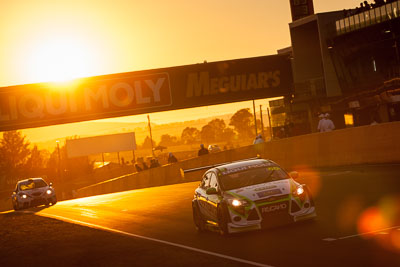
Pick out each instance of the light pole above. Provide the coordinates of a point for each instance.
(262, 123)
(59, 160)
(255, 118)
(151, 137)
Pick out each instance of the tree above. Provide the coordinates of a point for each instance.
(14, 153)
(36, 161)
(67, 170)
(242, 122)
(168, 140)
(190, 135)
(228, 135)
(218, 127)
(207, 134)
(147, 143)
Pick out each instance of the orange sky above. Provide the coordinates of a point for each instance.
(48, 40)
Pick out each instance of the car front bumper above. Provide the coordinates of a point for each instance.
(36, 201)
(256, 219)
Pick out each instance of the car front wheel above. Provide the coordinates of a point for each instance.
(16, 206)
(197, 218)
(223, 220)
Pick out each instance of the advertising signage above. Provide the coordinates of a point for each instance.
(100, 144)
(141, 92)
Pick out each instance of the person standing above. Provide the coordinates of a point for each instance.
(259, 139)
(172, 158)
(202, 150)
(328, 124)
(321, 122)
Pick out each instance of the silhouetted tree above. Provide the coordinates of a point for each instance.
(218, 127)
(14, 153)
(147, 143)
(190, 135)
(168, 140)
(228, 135)
(242, 122)
(207, 134)
(36, 162)
(66, 170)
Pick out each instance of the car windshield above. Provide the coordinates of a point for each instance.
(251, 177)
(31, 184)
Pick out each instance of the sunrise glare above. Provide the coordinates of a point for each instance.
(199, 133)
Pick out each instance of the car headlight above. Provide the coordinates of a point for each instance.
(24, 196)
(237, 202)
(238, 205)
(299, 190)
(49, 192)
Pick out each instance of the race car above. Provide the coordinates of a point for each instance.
(33, 192)
(249, 195)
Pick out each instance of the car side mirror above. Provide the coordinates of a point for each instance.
(211, 191)
(294, 174)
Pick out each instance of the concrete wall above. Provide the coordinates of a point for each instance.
(361, 145)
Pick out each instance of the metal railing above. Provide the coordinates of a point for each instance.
(369, 17)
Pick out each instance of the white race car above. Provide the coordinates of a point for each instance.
(33, 192)
(249, 195)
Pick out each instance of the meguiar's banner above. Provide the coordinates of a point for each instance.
(147, 91)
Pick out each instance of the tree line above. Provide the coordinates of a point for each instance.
(240, 127)
(18, 160)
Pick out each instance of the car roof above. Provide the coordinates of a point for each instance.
(31, 179)
(238, 164)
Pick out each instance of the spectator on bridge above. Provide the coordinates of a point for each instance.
(374, 120)
(258, 140)
(367, 6)
(154, 163)
(361, 9)
(202, 151)
(145, 167)
(281, 133)
(138, 168)
(328, 125)
(321, 122)
(172, 158)
(378, 3)
(288, 127)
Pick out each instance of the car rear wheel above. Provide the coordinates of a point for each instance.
(198, 218)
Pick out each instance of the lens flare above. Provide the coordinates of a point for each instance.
(310, 177)
(383, 223)
(372, 220)
(395, 239)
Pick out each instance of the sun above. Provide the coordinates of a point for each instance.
(60, 59)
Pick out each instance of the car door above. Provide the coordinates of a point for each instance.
(213, 199)
(202, 196)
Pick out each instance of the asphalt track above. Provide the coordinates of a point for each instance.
(358, 221)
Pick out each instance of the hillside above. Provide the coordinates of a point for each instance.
(39, 136)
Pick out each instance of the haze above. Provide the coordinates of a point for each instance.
(45, 40)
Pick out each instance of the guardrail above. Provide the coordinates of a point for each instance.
(360, 145)
(369, 17)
